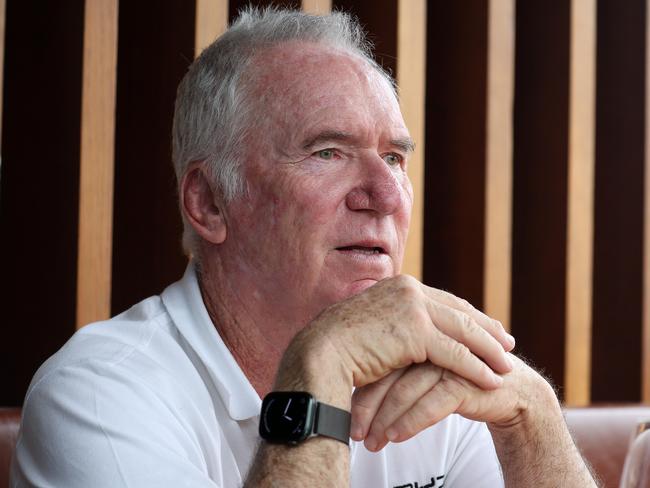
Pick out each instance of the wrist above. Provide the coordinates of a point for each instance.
(538, 411)
(311, 364)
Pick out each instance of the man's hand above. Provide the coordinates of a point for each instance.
(396, 323)
(416, 355)
(523, 416)
(414, 398)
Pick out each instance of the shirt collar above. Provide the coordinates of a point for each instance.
(185, 306)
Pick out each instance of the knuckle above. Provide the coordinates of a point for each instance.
(407, 425)
(460, 352)
(407, 286)
(401, 389)
(468, 326)
(405, 280)
(465, 305)
(449, 388)
(498, 325)
(429, 412)
(458, 302)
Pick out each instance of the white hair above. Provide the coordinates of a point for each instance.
(214, 110)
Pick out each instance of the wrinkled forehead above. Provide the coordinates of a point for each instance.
(296, 76)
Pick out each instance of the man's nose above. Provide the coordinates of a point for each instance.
(378, 190)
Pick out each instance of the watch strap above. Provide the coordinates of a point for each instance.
(332, 422)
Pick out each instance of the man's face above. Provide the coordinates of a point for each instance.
(328, 201)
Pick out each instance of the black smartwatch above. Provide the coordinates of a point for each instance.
(290, 417)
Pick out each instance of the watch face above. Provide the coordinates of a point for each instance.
(287, 417)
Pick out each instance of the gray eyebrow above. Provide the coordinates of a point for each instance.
(324, 136)
(406, 144)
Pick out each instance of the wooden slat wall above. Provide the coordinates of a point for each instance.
(540, 173)
(411, 62)
(456, 111)
(645, 377)
(39, 185)
(498, 172)
(147, 254)
(532, 173)
(96, 165)
(582, 101)
(3, 8)
(211, 21)
(317, 7)
(618, 201)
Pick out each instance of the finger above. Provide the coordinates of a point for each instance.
(402, 395)
(439, 402)
(367, 400)
(448, 353)
(492, 326)
(462, 328)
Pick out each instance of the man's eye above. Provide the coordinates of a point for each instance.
(393, 159)
(326, 154)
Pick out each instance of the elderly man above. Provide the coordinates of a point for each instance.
(291, 155)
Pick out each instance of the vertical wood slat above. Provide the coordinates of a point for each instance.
(498, 178)
(619, 202)
(3, 7)
(211, 21)
(97, 161)
(540, 182)
(580, 202)
(411, 69)
(645, 362)
(317, 7)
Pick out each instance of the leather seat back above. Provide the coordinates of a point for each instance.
(9, 425)
(603, 435)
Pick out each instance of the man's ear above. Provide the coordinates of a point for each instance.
(201, 205)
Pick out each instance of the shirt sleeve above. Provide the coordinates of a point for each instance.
(99, 426)
(474, 461)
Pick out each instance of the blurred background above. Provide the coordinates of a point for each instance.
(530, 172)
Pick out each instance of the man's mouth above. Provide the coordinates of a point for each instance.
(362, 249)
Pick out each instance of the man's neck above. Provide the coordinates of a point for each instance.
(255, 337)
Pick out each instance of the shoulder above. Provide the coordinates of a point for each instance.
(136, 353)
(120, 394)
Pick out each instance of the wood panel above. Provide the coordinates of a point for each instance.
(581, 205)
(39, 183)
(498, 172)
(317, 7)
(96, 165)
(147, 252)
(235, 6)
(411, 69)
(618, 226)
(454, 211)
(3, 7)
(645, 374)
(540, 183)
(378, 19)
(210, 22)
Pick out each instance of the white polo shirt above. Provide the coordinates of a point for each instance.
(153, 398)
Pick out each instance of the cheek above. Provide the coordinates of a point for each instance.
(311, 201)
(292, 213)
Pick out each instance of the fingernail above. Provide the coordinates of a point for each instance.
(510, 339)
(371, 442)
(391, 434)
(498, 380)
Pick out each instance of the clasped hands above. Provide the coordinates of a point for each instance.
(415, 355)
